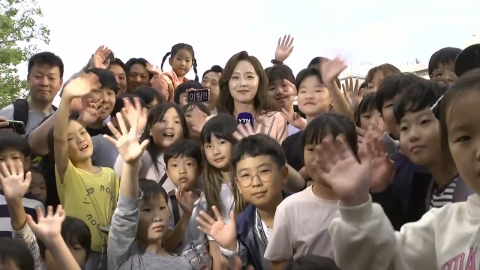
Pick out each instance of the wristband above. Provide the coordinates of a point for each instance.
(276, 62)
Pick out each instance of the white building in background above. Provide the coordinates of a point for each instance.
(418, 69)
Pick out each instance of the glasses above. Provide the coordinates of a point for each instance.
(247, 180)
(442, 73)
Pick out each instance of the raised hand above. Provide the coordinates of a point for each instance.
(153, 69)
(12, 180)
(284, 48)
(383, 167)
(81, 85)
(224, 234)
(332, 69)
(336, 164)
(100, 58)
(352, 92)
(126, 140)
(291, 89)
(135, 113)
(49, 227)
(186, 200)
(243, 131)
(295, 119)
(89, 113)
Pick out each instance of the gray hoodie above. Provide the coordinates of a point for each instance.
(124, 253)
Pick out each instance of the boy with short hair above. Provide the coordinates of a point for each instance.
(302, 219)
(442, 64)
(410, 180)
(85, 191)
(183, 161)
(420, 142)
(14, 148)
(260, 171)
(139, 223)
(391, 89)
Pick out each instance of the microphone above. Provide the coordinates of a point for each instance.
(245, 118)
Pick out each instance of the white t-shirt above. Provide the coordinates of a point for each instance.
(301, 227)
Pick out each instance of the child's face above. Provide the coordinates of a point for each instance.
(372, 86)
(276, 90)
(80, 146)
(167, 130)
(259, 180)
(389, 118)
(152, 224)
(309, 155)
(183, 171)
(419, 137)
(15, 156)
(108, 102)
(313, 97)
(181, 62)
(372, 117)
(218, 152)
(79, 254)
(463, 129)
(445, 71)
(38, 187)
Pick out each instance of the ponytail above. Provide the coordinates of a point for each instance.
(163, 60)
(195, 69)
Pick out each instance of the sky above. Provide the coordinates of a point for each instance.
(372, 31)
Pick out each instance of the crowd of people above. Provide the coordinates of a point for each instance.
(139, 168)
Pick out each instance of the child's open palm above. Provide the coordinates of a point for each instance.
(126, 140)
(337, 165)
(49, 227)
(330, 70)
(82, 85)
(244, 131)
(224, 234)
(12, 179)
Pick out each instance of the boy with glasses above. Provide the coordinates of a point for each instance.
(259, 172)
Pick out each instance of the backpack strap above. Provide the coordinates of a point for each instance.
(163, 179)
(20, 110)
(175, 209)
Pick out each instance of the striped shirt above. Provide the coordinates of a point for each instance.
(30, 203)
(443, 196)
(27, 237)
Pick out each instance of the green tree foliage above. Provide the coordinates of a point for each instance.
(18, 32)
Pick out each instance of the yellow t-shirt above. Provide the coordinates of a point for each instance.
(91, 198)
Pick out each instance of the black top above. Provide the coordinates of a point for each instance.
(292, 146)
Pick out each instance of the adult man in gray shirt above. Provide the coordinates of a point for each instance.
(45, 78)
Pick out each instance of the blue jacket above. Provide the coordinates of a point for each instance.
(251, 249)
